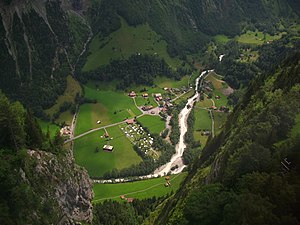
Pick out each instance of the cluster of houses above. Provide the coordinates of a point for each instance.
(220, 109)
(65, 131)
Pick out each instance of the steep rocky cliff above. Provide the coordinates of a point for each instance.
(60, 179)
(40, 43)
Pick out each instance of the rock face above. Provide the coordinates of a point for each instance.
(68, 183)
(39, 46)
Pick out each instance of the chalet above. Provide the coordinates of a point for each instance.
(122, 197)
(145, 95)
(147, 108)
(130, 121)
(158, 95)
(108, 148)
(130, 200)
(166, 88)
(159, 99)
(98, 122)
(218, 97)
(132, 94)
(213, 107)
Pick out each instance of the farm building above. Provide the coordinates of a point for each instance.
(147, 108)
(129, 200)
(108, 148)
(145, 95)
(157, 95)
(130, 121)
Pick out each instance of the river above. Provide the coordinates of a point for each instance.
(180, 147)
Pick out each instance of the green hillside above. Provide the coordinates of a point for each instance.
(124, 42)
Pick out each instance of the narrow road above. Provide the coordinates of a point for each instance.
(137, 105)
(212, 124)
(96, 129)
(178, 96)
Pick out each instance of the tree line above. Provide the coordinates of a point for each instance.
(137, 69)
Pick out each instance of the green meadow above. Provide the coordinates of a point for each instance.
(154, 123)
(124, 42)
(257, 37)
(221, 39)
(219, 85)
(206, 103)
(138, 189)
(73, 87)
(45, 125)
(98, 163)
(203, 120)
(220, 119)
(111, 107)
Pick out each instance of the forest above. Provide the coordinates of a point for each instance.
(138, 69)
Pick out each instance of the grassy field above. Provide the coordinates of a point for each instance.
(219, 85)
(214, 79)
(45, 125)
(185, 97)
(73, 87)
(171, 83)
(140, 100)
(97, 163)
(220, 119)
(257, 38)
(124, 42)
(206, 103)
(296, 128)
(66, 117)
(139, 189)
(153, 123)
(222, 39)
(222, 101)
(112, 107)
(203, 121)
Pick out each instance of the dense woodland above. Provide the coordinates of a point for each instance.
(138, 69)
(20, 131)
(127, 213)
(246, 175)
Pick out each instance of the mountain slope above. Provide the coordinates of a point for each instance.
(249, 173)
(39, 47)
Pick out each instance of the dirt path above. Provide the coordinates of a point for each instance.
(136, 192)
